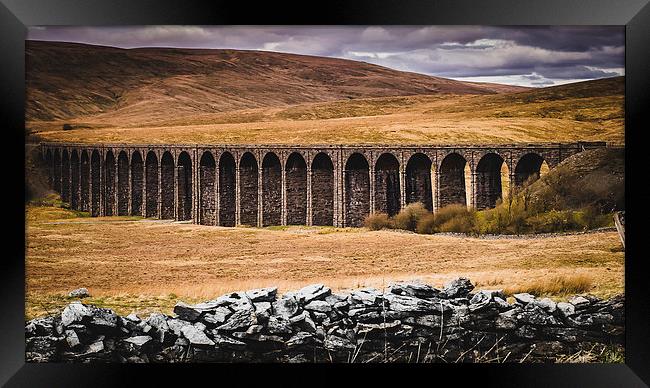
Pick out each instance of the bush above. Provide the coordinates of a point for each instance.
(377, 221)
(408, 218)
(426, 224)
(552, 221)
(452, 218)
(462, 223)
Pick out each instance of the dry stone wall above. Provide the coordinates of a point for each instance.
(407, 322)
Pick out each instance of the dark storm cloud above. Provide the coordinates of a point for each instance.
(500, 54)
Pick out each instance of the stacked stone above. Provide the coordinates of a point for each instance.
(409, 322)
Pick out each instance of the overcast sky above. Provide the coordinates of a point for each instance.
(529, 56)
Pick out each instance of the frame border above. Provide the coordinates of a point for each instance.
(15, 15)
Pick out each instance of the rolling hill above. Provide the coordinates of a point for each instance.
(163, 95)
(72, 81)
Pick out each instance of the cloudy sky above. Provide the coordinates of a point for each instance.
(529, 56)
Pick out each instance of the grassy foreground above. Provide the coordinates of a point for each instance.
(141, 265)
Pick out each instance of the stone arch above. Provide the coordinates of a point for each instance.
(167, 186)
(49, 164)
(387, 185)
(74, 180)
(248, 176)
(296, 189)
(65, 176)
(151, 179)
(109, 183)
(184, 181)
(57, 171)
(322, 190)
(95, 183)
(122, 184)
(452, 180)
(207, 180)
(528, 166)
(137, 182)
(271, 190)
(418, 180)
(357, 190)
(488, 181)
(227, 189)
(84, 196)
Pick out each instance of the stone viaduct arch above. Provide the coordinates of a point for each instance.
(74, 180)
(207, 195)
(137, 183)
(528, 166)
(84, 195)
(56, 171)
(109, 184)
(488, 181)
(322, 190)
(451, 180)
(122, 184)
(227, 190)
(387, 185)
(418, 180)
(184, 187)
(248, 184)
(95, 183)
(261, 185)
(296, 189)
(151, 185)
(357, 190)
(271, 190)
(167, 187)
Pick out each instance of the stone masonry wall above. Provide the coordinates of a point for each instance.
(407, 322)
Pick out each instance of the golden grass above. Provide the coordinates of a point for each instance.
(434, 119)
(555, 285)
(135, 265)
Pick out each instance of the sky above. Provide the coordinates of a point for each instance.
(526, 56)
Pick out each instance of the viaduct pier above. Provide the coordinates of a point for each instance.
(262, 185)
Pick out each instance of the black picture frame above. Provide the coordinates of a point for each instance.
(15, 15)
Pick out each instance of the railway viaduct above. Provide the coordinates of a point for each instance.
(261, 185)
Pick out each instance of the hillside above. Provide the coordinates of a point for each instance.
(70, 81)
(590, 178)
(590, 111)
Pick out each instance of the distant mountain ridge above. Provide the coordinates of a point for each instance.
(72, 81)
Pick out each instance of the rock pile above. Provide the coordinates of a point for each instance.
(408, 322)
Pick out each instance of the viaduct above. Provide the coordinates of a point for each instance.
(261, 185)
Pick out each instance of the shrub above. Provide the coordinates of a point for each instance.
(377, 221)
(552, 221)
(455, 218)
(426, 224)
(408, 218)
(461, 223)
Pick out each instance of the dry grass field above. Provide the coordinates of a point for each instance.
(559, 114)
(131, 264)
